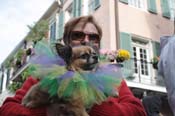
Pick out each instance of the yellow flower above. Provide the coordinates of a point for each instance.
(124, 54)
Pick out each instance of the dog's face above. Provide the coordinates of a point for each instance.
(79, 58)
(83, 58)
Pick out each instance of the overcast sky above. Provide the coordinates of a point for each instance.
(15, 15)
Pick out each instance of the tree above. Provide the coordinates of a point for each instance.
(38, 31)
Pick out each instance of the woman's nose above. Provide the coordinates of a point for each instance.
(86, 40)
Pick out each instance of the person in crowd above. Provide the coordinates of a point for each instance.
(166, 67)
(152, 105)
(79, 31)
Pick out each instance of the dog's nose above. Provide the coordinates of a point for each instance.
(95, 57)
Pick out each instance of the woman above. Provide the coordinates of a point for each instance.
(79, 31)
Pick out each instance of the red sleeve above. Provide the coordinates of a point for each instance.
(125, 105)
(12, 105)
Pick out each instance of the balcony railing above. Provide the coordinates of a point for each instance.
(141, 74)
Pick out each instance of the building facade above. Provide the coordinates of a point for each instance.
(134, 25)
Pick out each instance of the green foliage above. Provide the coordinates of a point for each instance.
(38, 31)
(8, 63)
(15, 85)
(25, 74)
(19, 54)
(155, 62)
(130, 77)
(29, 51)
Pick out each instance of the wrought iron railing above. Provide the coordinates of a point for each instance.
(142, 71)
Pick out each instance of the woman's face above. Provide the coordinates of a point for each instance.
(85, 36)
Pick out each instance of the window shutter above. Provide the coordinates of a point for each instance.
(8, 77)
(152, 6)
(165, 8)
(124, 1)
(52, 32)
(96, 4)
(125, 43)
(61, 1)
(61, 25)
(74, 8)
(156, 48)
(77, 8)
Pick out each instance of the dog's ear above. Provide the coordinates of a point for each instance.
(64, 51)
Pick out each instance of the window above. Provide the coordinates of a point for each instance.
(68, 13)
(3, 81)
(85, 7)
(140, 60)
(138, 3)
(142, 66)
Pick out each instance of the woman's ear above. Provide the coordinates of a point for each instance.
(64, 51)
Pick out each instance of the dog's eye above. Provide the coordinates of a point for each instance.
(84, 56)
(94, 53)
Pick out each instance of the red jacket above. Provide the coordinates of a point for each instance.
(125, 105)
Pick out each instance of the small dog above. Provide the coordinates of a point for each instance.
(80, 58)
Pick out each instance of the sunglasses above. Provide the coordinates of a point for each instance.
(80, 36)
